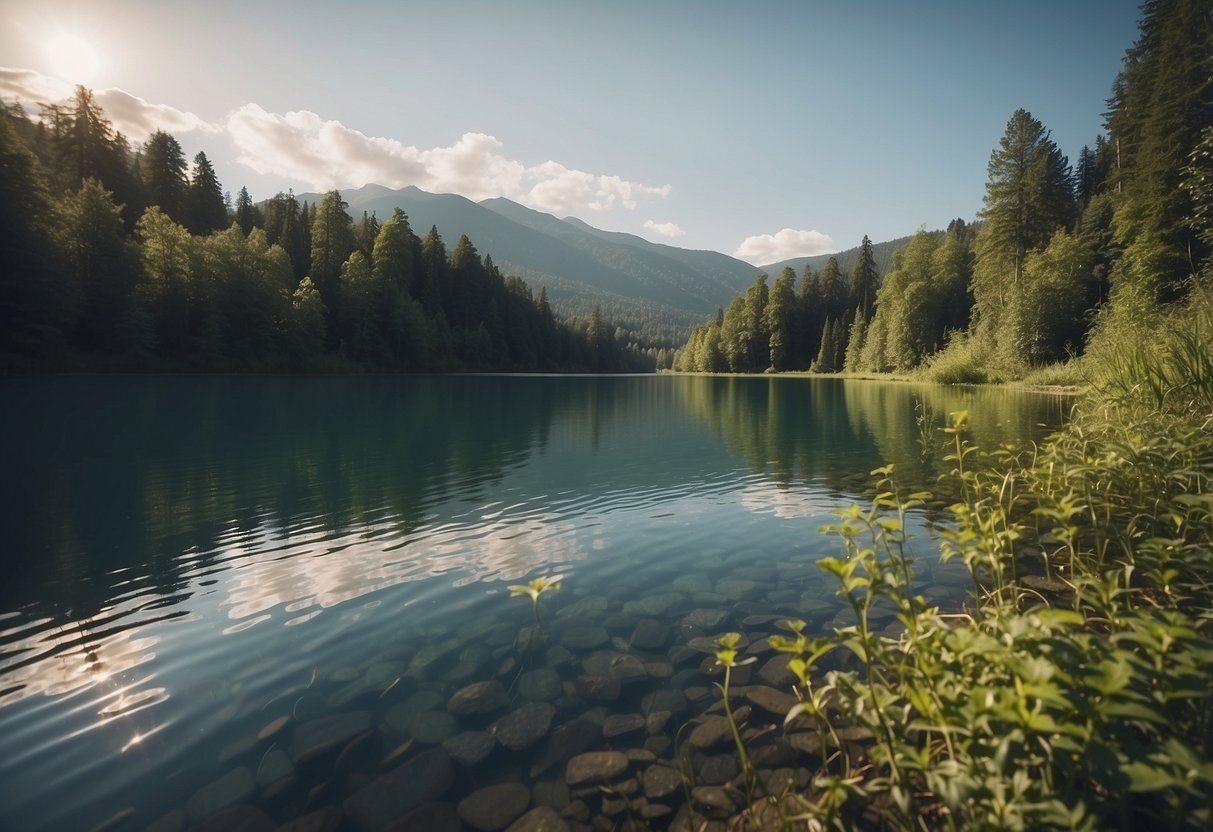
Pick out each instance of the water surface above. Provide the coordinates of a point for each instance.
(188, 559)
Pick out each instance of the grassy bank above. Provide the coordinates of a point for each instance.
(1075, 691)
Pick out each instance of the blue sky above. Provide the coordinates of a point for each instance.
(701, 124)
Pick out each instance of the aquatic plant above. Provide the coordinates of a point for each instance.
(726, 656)
(535, 588)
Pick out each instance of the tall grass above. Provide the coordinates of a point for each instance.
(1076, 690)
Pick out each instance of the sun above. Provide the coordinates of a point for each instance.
(73, 58)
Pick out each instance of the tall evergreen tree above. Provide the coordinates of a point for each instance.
(248, 216)
(833, 290)
(332, 243)
(1029, 195)
(85, 146)
(164, 176)
(865, 280)
(36, 302)
(101, 266)
(207, 211)
(780, 319)
(1161, 102)
(434, 263)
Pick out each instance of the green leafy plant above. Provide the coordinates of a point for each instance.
(726, 655)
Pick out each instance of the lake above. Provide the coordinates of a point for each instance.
(265, 593)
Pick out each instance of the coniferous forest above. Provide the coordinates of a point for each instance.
(1061, 258)
(129, 258)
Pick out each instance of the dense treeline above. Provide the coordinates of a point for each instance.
(787, 326)
(121, 258)
(1059, 255)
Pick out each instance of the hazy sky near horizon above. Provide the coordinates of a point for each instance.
(761, 129)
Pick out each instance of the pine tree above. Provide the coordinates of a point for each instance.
(207, 211)
(1029, 194)
(780, 319)
(865, 280)
(332, 243)
(101, 266)
(37, 303)
(833, 290)
(1162, 101)
(164, 176)
(248, 216)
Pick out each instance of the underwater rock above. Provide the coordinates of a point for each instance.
(583, 636)
(555, 795)
(469, 748)
(717, 770)
(618, 725)
(273, 728)
(711, 732)
(650, 634)
(661, 781)
(597, 688)
(771, 700)
(423, 778)
(232, 788)
(494, 807)
(320, 736)
(478, 698)
(674, 701)
(708, 620)
(595, 767)
(540, 819)
(540, 685)
(524, 726)
(776, 672)
(567, 740)
(275, 766)
(738, 589)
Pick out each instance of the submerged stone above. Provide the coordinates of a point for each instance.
(597, 688)
(320, 736)
(423, 778)
(661, 781)
(494, 807)
(470, 748)
(649, 634)
(617, 725)
(478, 698)
(232, 788)
(540, 819)
(525, 726)
(594, 768)
(708, 620)
(771, 700)
(711, 732)
(542, 685)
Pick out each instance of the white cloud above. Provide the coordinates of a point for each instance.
(132, 116)
(327, 154)
(763, 249)
(30, 89)
(137, 119)
(665, 229)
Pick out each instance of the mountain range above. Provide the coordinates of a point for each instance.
(661, 289)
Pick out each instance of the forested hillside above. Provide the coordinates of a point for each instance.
(120, 257)
(1062, 257)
